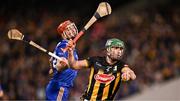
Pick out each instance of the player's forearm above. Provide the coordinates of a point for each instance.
(76, 64)
(71, 59)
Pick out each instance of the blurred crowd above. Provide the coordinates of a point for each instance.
(152, 50)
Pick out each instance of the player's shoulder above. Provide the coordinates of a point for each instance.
(62, 44)
(96, 58)
(122, 63)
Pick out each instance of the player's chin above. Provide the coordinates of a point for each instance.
(117, 58)
(73, 35)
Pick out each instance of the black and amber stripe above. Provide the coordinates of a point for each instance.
(101, 91)
(97, 87)
(114, 86)
(88, 93)
(91, 79)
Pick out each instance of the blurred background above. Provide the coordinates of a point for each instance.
(150, 29)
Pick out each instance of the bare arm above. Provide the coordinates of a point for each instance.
(72, 62)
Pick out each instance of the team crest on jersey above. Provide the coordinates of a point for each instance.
(104, 78)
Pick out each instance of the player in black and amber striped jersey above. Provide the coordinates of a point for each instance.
(106, 72)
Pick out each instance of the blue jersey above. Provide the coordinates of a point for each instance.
(67, 76)
(60, 83)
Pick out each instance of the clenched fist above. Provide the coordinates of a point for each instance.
(63, 64)
(71, 45)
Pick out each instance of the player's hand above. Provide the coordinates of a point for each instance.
(127, 74)
(71, 45)
(63, 64)
(132, 75)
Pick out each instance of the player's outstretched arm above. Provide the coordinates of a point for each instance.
(72, 62)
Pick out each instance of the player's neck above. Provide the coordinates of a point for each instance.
(110, 61)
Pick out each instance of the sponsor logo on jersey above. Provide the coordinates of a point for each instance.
(104, 78)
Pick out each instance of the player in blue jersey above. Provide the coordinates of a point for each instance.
(62, 80)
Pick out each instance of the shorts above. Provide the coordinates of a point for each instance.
(55, 93)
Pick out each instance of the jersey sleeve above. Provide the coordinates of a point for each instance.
(91, 61)
(59, 49)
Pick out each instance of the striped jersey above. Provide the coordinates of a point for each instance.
(104, 79)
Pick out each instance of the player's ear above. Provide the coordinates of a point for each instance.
(108, 51)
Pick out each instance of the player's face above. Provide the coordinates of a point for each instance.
(70, 31)
(115, 53)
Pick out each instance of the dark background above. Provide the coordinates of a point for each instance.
(150, 29)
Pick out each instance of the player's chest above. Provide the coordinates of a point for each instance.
(106, 73)
(107, 69)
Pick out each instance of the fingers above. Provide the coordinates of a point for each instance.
(132, 75)
(62, 64)
(71, 45)
(128, 74)
(63, 61)
(125, 76)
